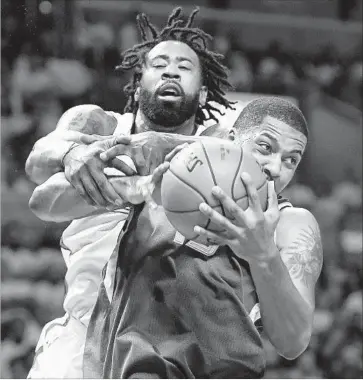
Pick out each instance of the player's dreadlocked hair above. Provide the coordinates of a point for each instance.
(213, 71)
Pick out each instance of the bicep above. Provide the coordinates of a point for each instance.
(87, 119)
(301, 251)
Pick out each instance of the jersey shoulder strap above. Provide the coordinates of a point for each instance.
(283, 202)
(124, 126)
(124, 122)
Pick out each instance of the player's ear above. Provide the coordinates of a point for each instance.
(232, 134)
(203, 92)
(137, 94)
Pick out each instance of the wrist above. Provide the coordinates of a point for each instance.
(266, 259)
(173, 140)
(70, 147)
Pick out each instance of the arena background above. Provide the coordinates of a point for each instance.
(60, 53)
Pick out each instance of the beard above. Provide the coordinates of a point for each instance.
(168, 113)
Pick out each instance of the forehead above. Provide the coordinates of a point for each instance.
(173, 49)
(283, 132)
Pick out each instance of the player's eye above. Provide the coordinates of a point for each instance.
(159, 64)
(185, 68)
(292, 161)
(265, 146)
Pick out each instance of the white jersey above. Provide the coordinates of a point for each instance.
(87, 245)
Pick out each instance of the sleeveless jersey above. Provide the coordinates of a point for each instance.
(87, 244)
(177, 311)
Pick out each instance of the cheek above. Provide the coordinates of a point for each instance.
(149, 80)
(190, 88)
(284, 179)
(261, 159)
(247, 145)
(191, 82)
(249, 148)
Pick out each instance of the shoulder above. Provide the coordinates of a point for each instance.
(296, 215)
(124, 122)
(88, 118)
(294, 223)
(81, 109)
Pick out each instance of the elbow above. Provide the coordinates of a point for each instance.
(29, 166)
(296, 346)
(39, 205)
(36, 204)
(34, 174)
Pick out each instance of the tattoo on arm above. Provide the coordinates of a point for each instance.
(94, 122)
(304, 257)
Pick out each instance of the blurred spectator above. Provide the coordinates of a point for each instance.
(324, 68)
(241, 76)
(32, 84)
(128, 35)
(222, 43)
(12, 37)
(269, 77)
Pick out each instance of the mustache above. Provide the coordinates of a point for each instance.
(170, 85)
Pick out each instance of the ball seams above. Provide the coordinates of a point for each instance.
(237, 172)
(212, 173)
(187, 211)
(189, 185)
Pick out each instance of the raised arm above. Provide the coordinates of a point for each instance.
(83, 124)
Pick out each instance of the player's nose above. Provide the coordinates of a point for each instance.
(272, 169)
(170, 74)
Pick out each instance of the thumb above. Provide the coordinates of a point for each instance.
(147, 192)
(159, 172)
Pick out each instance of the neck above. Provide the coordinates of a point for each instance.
(143, 124)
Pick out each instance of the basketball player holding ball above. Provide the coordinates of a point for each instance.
(185, 310)
(202, 306)
(303, 228)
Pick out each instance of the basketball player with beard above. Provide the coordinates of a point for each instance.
(173, 100)
(160, 333)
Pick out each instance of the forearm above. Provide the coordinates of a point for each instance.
(286, 315)
(56, 200)
(46, 157)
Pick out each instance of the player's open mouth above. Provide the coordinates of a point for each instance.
(170, 91)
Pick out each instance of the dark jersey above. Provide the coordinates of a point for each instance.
(176, 312)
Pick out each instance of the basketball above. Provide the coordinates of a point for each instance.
(192, 174)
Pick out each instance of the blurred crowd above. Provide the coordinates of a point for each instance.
(38, 83)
